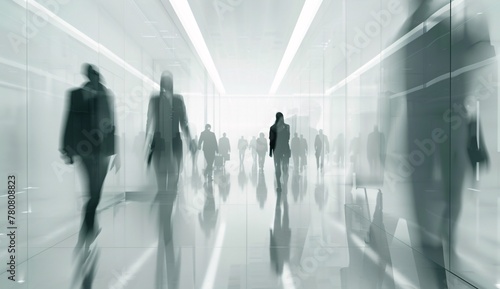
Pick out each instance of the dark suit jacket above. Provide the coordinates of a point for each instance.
(89, 128)
(207, 138)
(179, 116)
(278, 140)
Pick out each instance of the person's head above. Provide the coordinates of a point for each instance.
(375, 128)
(167, 81)
(224, 134)
(295, 134)
(208, 126)
(241, 137)
(321, 132)
(91, 72)
(261, 134)
(301, 136)
(279, 118)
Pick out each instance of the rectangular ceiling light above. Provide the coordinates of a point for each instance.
(304, 21)
(416, 32)
(185, 15)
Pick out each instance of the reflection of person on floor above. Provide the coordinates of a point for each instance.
(303, 152)
(375, 151)
(194, 156)
(279, 136)
(89, 135)
(209, 142)
(320, 193)
(208, 218)
(166, 116)
(224, 148)
(321, 147)
(281, 235)
(261, 149)
(295, 146)
(242, 147)
(261, 189)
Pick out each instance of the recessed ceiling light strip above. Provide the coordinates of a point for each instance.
(185, 15)
(304, 21)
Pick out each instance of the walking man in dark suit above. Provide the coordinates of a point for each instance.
(209, 142)
(89, 135)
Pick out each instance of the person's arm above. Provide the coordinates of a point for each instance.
(68, 135)
(201, 140)
(272, 140)
(183, 119)
(184, 123)
(215, 142)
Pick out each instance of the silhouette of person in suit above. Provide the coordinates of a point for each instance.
(295, 145)
(303, 152)
(89, 137)
(89, 134)
(224, 148)
(261, 150)
(209, 142)
(242, 147)
(321, 147)
(279, 137)
(166, 116)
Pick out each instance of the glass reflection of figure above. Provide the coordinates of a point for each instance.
(166, 116)
(375, 151)
(208, 218)
(281, 234)
(279, 137)
(437, 131)
(261, 190)
(89, 137)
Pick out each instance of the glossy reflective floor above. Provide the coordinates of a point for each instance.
(238, 232)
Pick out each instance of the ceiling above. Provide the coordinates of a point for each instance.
(246, 40)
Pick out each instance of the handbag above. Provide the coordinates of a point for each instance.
(477, 153)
